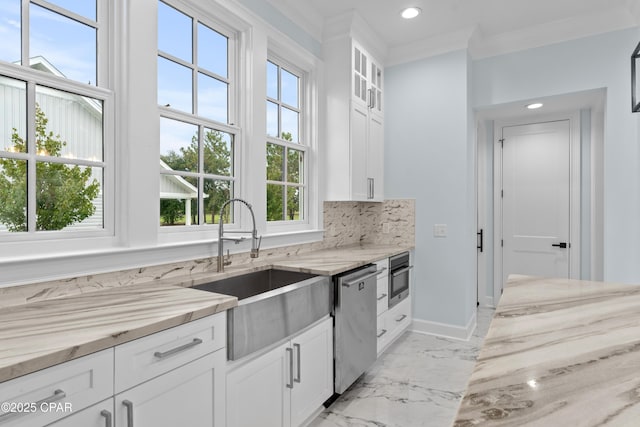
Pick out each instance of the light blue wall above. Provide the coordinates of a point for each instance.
(427, 156)
(428, 151)
(601, 61)
(278, 20)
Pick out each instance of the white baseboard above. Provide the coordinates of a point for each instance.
(488, 302)
(444, 329)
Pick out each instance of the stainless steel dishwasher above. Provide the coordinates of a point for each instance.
(355, 325)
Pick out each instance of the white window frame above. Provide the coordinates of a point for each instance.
(207, 18)
(22, 243)
(295, 60)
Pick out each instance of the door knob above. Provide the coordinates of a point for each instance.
(562, 245)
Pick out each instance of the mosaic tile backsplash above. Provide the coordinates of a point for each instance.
(391, 222)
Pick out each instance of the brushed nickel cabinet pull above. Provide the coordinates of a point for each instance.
(401, 318)
(108, 418)
(57, 395)
(384, 331)
(297, 347)
(129, 405)
(381, 297)
(290, 353)
(162, 355)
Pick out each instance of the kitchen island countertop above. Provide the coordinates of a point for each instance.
(558, 352)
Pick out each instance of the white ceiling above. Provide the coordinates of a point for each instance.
(486, 27)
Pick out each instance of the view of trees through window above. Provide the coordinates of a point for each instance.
(285, 149)
(52, 139)
(196, 139)
(64, 193)
(217, 162)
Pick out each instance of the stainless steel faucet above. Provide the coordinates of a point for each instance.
(255, 241)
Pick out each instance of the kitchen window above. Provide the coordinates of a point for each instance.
(286, 147)
(198, 137)
(56, 138)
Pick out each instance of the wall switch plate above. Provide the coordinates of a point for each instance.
(440, 230)
(385, 228)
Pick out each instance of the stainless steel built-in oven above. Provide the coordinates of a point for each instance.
(399, 269)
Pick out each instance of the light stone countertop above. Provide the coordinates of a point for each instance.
(41, 334)
(558, 352)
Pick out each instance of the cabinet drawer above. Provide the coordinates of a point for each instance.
(399, 317)
(382, 332)
(93, 416)
(382, 295)
(45, 396)
(148, 357)
(383, 265)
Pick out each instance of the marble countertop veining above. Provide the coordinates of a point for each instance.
(41, 334)
(558, 352)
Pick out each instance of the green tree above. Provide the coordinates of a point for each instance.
(63, 193)
(275, 172)
(217, 160)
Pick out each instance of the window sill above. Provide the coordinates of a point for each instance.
(56, 264)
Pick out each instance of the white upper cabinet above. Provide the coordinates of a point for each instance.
(354, 112)
(367, 79)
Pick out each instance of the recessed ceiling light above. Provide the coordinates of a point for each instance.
(534, 106)
(411, 12)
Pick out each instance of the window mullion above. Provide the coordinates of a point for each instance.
(24, 33)
(31, 163)
(201, 213)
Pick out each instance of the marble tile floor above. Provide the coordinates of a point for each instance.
(418, 381)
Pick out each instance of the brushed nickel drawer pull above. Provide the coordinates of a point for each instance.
(108, 418)
(401, 318)
(381, 297)
(384, 331)
(162, 355)
(57, 395)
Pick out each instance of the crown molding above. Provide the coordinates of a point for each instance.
(351, 24)
(484, 46)
(433, 46)
(302, 14)
(481, 45)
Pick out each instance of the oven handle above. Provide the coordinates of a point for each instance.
(401, 271)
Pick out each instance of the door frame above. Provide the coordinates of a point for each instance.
(574, 193)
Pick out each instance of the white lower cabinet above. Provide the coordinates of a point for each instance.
(100, 415)
(46, 396)
(183, 397)
(175, 377)
(392, 322)
(286, 385)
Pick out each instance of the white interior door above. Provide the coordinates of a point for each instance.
(536, 199)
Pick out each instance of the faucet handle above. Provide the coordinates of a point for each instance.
(256, 252)
(227, 259)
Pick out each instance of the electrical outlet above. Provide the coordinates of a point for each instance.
(440, 230)
(385, 228)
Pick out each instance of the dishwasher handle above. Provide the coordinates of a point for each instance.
(361, 278)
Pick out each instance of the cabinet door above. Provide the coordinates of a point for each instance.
(100, 415)
(258, 392)
(191, 395)
(359, 133)
(360, 69)
(375, 156)
(313, 371)
(52, 393)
